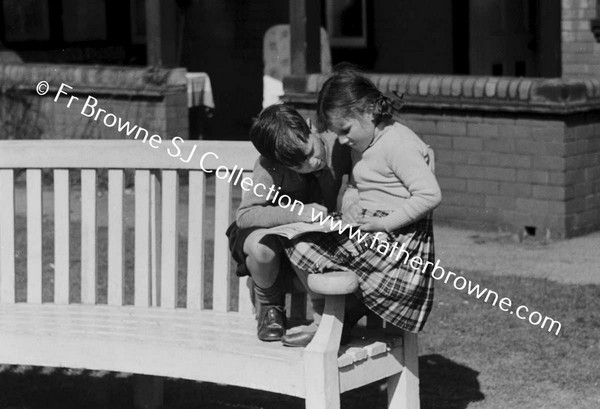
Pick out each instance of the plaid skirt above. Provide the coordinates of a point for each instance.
(388, 284)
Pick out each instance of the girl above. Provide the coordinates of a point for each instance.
(397, 192)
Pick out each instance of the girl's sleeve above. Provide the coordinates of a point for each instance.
(351, 196)
(408, 162)
(257, 211)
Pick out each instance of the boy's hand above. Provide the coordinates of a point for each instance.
(352, 213)
(371, 224)
(311, 211)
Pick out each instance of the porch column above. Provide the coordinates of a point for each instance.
(305, 37)
(161, 33)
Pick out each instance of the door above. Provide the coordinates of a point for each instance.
(502, 38)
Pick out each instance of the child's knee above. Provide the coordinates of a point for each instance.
(263, 250)
(263, 254)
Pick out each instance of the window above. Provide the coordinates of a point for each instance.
(347, 23)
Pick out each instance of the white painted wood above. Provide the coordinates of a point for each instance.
(142, 288)
(7, 236)
(195, 256)
(320, 358)
(245, 296)
(345, 360)
(357, 354)
(376, 348)
(155, 228)
(333, 283)
(246, 289)
(184, 343)
(89, 232)
(169, 239)
(34, 235)
(403, 389)
(221, 292)
(62, 212)
(152, 344)
(115, 237)
(124, 154)
(367, 371)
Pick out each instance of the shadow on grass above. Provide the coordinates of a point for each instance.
(447, 384)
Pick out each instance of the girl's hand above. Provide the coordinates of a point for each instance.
(352, 213)
(312, 210)
(371, 224)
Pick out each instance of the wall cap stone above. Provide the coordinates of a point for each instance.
(96, 79)
(464, 92)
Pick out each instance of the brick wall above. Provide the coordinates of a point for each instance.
(580, 49)
(582, 173)
(499, 171)
(153, 99)
(515, 154)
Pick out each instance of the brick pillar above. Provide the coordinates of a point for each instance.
(580, 49)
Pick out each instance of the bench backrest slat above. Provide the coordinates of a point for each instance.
(62, 239)
(155, 233)
(142, 273)
(115, 237)
(221, 293)
(170, 239)
(7, 236)
(246, 301)
(34, 236)
(161, 227)
(88, 236)
(195, 259)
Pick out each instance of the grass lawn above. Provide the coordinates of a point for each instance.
(472, 355)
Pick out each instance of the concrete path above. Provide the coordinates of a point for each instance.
(574, 260)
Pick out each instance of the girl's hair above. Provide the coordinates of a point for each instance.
(280, 134)
(349, 93)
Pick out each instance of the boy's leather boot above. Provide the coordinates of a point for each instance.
(271, 312)
(271, 323)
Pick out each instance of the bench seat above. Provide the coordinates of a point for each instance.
(178, 343)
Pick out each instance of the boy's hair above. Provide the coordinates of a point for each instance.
(348, 93)
(280, 134)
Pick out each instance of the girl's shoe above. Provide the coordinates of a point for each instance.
(299, 336)
(302, 337)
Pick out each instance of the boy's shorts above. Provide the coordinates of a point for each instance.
(237, 237)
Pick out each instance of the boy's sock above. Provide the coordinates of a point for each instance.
(273, 295)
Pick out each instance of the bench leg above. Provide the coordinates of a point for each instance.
(148, 392)
(321, 372)
(403, 389)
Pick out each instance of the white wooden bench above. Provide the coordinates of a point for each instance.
(162, 331)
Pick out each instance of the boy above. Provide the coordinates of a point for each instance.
(307, 167)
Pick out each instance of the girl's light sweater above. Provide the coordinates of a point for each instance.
(393, 175)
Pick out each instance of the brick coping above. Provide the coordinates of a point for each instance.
(463, 92)
(99, 79)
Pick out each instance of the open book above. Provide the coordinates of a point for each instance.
(293, 230)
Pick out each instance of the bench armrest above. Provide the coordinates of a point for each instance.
(334, 283)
